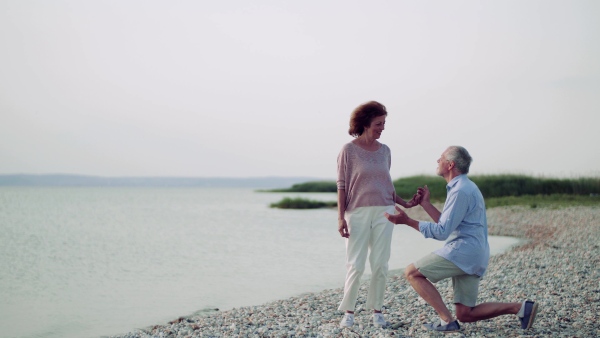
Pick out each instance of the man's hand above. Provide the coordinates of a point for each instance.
(424, 193)
(343, 228)
(400, 218)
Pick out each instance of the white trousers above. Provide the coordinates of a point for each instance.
(369, 231)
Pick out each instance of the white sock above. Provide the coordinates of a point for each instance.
(442, 322)
(521, 313)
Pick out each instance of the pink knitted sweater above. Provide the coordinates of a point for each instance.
(365, 176)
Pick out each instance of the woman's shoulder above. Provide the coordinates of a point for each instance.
(346, 150)
(352, 146)
(349, 145)
(385, 149)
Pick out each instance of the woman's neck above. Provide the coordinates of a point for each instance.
(366, 142)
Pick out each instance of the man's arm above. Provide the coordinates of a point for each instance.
(432, 211)
(402, 218)
(455, 209)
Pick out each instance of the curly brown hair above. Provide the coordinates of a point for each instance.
(363, 115)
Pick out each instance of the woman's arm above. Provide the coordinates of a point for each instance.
(342, 226)
(342, 166)
(413, 202)
(399, 200)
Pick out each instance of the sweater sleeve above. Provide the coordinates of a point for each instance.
(342, 167)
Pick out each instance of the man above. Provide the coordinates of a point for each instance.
(464, 257)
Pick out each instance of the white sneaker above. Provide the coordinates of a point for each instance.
(347, 321)
(378, 320)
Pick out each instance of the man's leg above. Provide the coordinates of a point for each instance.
(428, 292)
(466, 288)
(467, 314)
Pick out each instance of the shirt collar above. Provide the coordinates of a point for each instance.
(454, 181)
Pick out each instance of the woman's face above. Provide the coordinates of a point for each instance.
(376, 127)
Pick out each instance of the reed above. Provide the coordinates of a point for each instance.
(313, 186)
(498, 190)
(302, 203)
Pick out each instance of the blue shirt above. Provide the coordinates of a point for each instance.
(463, 224)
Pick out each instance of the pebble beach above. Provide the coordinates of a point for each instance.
(556, 265)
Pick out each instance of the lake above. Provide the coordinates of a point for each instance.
(99, 261)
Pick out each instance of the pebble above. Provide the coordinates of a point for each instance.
(557, 266)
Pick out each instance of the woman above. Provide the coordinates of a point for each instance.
(365, 194)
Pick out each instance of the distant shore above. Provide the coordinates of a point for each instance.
(68, 180)
(557, 267)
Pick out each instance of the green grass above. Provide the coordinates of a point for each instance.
(519, 185)
(314, 186)
(493, 186)
(406, 187)
(554, 201)
(498, 190)
(302, 203)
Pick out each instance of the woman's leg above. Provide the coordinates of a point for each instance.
(357, 246)
(380, 244)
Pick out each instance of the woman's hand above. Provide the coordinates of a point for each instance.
(343, 228)
(416, 200)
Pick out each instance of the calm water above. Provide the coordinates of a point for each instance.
(91, 262)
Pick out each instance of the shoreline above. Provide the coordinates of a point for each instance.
(557, 266)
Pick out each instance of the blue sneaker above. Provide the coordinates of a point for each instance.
(438, 327)
(529, 314)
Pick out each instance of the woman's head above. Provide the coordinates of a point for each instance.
(363, 115)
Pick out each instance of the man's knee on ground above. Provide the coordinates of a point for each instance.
(463, 313)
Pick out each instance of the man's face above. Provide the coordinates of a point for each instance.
(443, 163)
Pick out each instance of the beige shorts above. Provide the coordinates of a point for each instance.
(436, 268)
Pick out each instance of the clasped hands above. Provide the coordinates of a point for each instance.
(420, 197)
(400, 217)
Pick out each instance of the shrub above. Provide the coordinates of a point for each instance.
(301, 203)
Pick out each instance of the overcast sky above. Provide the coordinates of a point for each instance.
(263, 88)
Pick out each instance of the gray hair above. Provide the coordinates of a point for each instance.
(461, 158)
